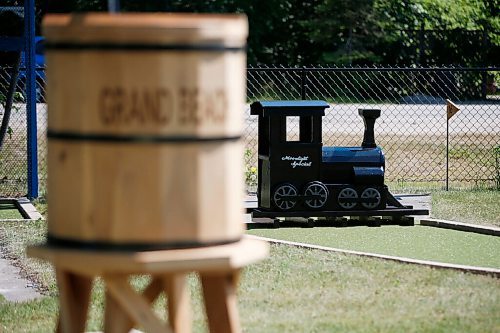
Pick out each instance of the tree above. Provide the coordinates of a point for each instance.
(437, 32)
(344, 31)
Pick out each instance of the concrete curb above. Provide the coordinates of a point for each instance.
(18, 220)
(479, 229)
(12, 286)
(25, 207)
(464, 268)
(28, 211)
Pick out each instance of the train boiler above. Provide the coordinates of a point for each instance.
(299, 177)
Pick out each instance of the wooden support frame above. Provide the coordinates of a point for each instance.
(218, 267)
(74, 297)
(179, 307)
(219, 291)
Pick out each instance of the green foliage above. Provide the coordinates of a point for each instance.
(345, 32)
(342, 28)
(250, 170)
(430, 32)
(9, 132)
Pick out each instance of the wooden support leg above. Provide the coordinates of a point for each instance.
(133, 304)
(116, 319)
(219, 291)
(74, 296)
(179, 307)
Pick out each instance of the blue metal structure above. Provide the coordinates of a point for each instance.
(29, 51)
(26, 44)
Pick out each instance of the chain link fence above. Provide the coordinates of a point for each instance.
(13, 155)
(412, 129)
(16, 26)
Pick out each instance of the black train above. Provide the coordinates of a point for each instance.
(303, 175)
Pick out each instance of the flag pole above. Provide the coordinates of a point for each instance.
(451, 110)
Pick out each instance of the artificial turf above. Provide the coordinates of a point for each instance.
(9, 211)
(416, 242)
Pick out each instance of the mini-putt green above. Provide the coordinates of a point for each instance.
(8, 210)
(417, 242)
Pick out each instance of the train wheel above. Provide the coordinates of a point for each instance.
(374, 196)
(319, 190)
(345, 198)
(285, 197)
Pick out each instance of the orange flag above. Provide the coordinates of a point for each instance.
(451, 109)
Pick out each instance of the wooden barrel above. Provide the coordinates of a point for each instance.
(145, 118)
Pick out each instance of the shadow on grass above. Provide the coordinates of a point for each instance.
(267, 223)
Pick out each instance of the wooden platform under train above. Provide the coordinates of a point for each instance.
(388, 212)
(390, 216)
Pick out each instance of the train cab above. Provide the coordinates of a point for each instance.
(289, 149)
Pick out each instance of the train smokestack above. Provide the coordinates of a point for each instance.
(369, 117)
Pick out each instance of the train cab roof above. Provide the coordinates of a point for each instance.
(288, 108)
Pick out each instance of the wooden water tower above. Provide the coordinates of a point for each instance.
(145, 164)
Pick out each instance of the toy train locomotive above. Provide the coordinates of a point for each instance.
(298, 176)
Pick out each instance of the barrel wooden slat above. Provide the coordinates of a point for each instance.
(148, 28)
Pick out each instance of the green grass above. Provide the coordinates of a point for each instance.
(14, 237)
(300, 290)
(41, 205)
(418, 242)
(477, 207)
(9, 211)
(35, 316)
(314, 291)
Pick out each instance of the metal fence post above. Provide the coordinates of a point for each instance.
(303, 83)
(447, 153)
(29, 56)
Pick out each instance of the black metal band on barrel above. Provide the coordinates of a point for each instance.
(107, 246)
(144, 47)
(136, 138)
